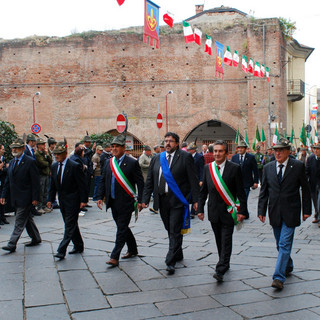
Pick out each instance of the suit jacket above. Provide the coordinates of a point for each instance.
(217, 208)
(199, 163)
(88, 153)
(73, 189)
(131, 169)
(28, 153)
(3, 173)
(283, 200)
(313, 172)
(184, 173)
(249, 169)
(23, 183)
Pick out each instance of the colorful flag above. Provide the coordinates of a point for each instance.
(188, 34)
(197, 36)
(256, 139)
(262, 71)
(308, 140)
(247, 140)
(235, 60)
(303, 138)
(228, 57)
(219, 59)
(151, 23)
(263, 137)
(276, 136)
(208, 46)
(244, 64)
(316, 140)
(250, 66)
(168, 19)
(267, 74)
(257, 70)
(120, 2)
(236, 140)
(292, 136)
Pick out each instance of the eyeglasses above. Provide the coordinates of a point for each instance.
(169, 141)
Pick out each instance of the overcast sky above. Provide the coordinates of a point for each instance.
(23, 18)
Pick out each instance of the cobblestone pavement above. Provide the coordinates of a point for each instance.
(81, 287)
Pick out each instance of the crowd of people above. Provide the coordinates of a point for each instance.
(174, 178)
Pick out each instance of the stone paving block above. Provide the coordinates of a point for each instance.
(115, 281)
(17, 256)
(308, 275)
(241, 297)
(42, 274)
(187, 305)
(71, 262)
(38, 294)
(43, 248)
(140, 272)
(232, 275)
(11, 310)
(39, 261)
(77, 279)
(93, 252)
(52, 312)
(135, 298)
(7, 268)
(214, 288)
(96, 263)
(316, 310)
(85, 300)
(106, 246)
(11, 289)
(143, 311)
(295, 315)
(275, 307)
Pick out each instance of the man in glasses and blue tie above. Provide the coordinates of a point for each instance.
(280, 194)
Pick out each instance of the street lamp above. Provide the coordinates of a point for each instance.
(170, 91)
(34, 113)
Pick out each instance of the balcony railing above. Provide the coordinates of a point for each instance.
(295, 89)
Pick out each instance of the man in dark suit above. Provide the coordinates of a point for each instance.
(3, 175)
(280, 194)
(249, 167)
(313, 175)
(67, 178)
(221, 220)
(183, 171)
(119, 198)
(106, 154)
(23, 184)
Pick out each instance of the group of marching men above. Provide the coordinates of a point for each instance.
(173, 182)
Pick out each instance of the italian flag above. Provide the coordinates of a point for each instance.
(208, 48)
(250, 67)
(262, 71)
(267, 74)
(263, 137)
(276, 136)
(257, 70)
(197, 36)
(228, 57)
(188, 34)
(244, 64)
(235, 60)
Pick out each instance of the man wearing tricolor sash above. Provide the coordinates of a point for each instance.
(171, 178)
(227, 204)
(118, 183)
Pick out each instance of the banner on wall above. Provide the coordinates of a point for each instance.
(151, 23)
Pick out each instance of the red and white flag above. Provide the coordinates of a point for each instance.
(250, 66)
(228, 57)
(257, 72)
(244, 64)
(262, 71)
(267, 74)
(197, 36)
(188, 33)
(120, 2)
(208, 47)
(235, 60)
(168, 19)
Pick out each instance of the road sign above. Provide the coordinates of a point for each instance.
(121, 123)
(159, 120)
(36, 128)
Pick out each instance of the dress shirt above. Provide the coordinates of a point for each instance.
(283, 168)
(222, 165)
(64, 162)
(160, 170)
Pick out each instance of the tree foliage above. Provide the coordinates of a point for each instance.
(288, 27)
(7, 135)
(101, 138)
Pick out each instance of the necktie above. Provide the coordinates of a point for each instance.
(32, 152)
(241, 160)
(279, 175)
(60, 173)
(15, 166)
(162, 184)
(218, 168)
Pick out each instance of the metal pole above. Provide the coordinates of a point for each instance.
(269, 118)
(167, 130)
(159, 128)
(34, 113)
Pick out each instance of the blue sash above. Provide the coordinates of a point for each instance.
(176, 190)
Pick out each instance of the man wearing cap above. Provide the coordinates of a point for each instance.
(303, 155)
(87, 160)
(313, 174)
(51, 144)
(96, 170)
(23, 185)
(106, 154)
(156, 150)
(31, 145)
(3, 174)
(68, 180)
(280, 194)
(268, 157)
(121, 197)
(175, 168)
(44, 161)
(249, 168)
(144, 161)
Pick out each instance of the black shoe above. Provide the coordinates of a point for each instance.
(55, 206)
(74, 251)
(192, 216)
(218, 276)
(5, 221)
(37, 213)
(84, 209)
(171, 269)
(59, 255)
(1, 223)
(33, 243)
(10, 249)
(88, 206)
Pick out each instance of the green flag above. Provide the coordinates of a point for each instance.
(247, 140)
(276, 136)
(316, 140)
(303, 138)
(292, 136)
(263, 137)
(258, 135)
(237, 137)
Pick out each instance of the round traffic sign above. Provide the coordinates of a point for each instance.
(121, 123)
(159, 120)
(36, 128)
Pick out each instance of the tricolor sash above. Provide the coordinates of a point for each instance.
(226, 195)
(124, 182)
(177, 192)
